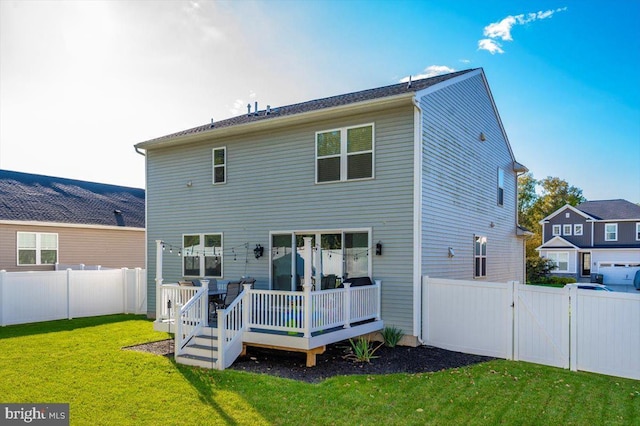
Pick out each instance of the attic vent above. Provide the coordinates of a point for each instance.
(212, 125)
(117, 212)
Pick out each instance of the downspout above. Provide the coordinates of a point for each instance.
(417, 221)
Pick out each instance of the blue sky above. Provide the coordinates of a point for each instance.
(81, 82)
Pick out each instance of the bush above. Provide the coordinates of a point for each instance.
(391, 336)
(538, 269)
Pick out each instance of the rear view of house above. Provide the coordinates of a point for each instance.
(596, 241)
(386, 184)
(47, 221)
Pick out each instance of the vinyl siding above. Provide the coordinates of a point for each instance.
(459, 185)
(110, 248)
(271, 187)
(574, 218)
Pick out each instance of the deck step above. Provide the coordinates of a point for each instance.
(197, 360)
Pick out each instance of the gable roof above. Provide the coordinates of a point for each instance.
(567, 207)
(310, 106)
(38, 198)
(611, 209)
(557, 242)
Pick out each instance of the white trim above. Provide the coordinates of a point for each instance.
(553, 230)
(553, 244)
(201, 256)
(567, 229)
(344, 154)
(557, 254)
(213, 165)
(606, 237)
(417, 221)
(561, 209)
(68, 225)
(575, 229)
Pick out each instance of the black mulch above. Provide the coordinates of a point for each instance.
(337, 360)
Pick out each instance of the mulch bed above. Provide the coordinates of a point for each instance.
(337, 360)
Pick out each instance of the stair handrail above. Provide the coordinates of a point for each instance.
(232, 323)
(190, 318)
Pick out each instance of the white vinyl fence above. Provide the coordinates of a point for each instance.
(27, 297)
(585, 330)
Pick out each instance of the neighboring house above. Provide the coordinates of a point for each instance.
(594, 238)
(46, 221)
(393, 183)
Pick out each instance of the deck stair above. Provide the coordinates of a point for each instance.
(202, 350)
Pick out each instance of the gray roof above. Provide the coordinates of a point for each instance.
(318, 104)
(610, 209)
(29, 197)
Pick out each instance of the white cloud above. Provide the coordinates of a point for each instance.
(430, 71)
(465, 61)
(489, 45)
(502, 29)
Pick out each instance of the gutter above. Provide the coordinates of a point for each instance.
(138, 151)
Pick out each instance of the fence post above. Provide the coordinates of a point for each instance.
(513, 321)
(3, 277)
(347, 305)
(125, 304)
(573, 326)
(69, 293)
(139, 288)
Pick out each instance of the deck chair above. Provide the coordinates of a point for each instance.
(328, 282)
(233, 290)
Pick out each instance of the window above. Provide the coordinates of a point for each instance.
(638, 231)
(566, 229)
(219, 165)
(611, 232)
(577, 229)
(555, 230)
(480, 257)
(500, 187)
(37, 248)
(560, 259)
(344, 154)
(202, 255)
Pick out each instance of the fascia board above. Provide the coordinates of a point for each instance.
(68, 225)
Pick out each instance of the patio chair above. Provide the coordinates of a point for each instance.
(328, 282)
(233, 290)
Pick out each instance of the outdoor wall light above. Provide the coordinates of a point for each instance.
(258, 251)
(379, 248)
(450, 252)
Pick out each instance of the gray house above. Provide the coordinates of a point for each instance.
(391, 183)
(596, 239)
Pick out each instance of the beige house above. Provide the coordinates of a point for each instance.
(48, 222)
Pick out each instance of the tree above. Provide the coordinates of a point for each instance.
(538, 199)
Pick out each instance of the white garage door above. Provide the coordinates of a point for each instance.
(618, 272)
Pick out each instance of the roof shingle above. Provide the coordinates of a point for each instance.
(610, 209)
(30, 197)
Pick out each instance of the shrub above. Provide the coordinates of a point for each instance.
(391, 336)
(362, 350)
(538, 269)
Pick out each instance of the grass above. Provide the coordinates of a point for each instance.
(81, 362)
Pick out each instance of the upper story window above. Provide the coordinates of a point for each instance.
(638, 231)
(36, 248)
(555, 230)
(611, 232)
(480, 257)
(345, 154)
(202, 255)
(219, 165)
(500, 187)
(577, 229)
(566, 229)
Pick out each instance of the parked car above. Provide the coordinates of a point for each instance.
(593, 286)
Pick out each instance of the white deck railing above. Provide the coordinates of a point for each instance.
(191, 317)
(170, 296)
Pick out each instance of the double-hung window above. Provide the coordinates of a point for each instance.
(500, 187)
(566, 230)
(555, 230)
(36, 248)
(480, 257)
(560, 260)
(345, 154)
(577, 229)
(219, 165)
(611, 232)
(202, 255)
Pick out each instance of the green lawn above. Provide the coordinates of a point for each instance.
(81, 362)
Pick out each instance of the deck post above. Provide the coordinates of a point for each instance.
(247, 306)
(177, 337)
(307, 309)
(347, 305)
(204, 303)
(159, 280)
(378, 298)
(222, 332)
